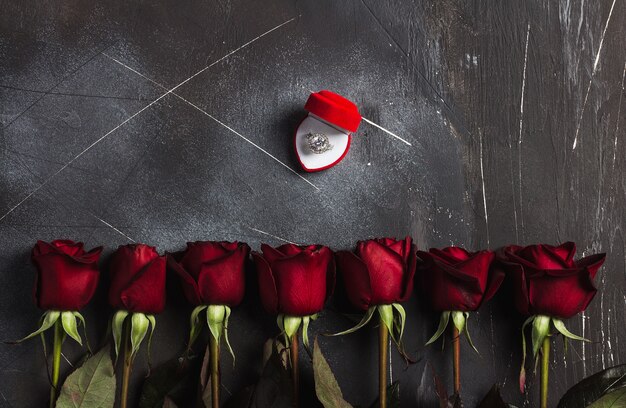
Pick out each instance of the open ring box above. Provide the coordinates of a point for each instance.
(323, 138)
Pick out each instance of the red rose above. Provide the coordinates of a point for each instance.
(137, 279)
(212, 273)
(455, 279)
(295, 280)
(67, 276)
(379, 272)
(547, 280)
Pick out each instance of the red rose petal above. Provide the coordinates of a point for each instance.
(63, 283)
(146, 292)
(301, 283)
(222, 281)
(409, 276)
(562, 296)
(386, 272)
(592, 263)
(190, 287)
(200, 252)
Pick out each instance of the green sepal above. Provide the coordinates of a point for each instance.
(152, 321)
(467, 335)
(458, 318)
(195, 324)
(226, 318)
(522, 372)
(281, 325)
(47, 321)
(291, 325)
(70, 327)
(139, 327)
(386, 316)
(117, 328)
(541, 329)
(279, 322)
(82, 320)
(42, 336)
(402, 315)
(215, 319)
(560, 326)
(443, 323)
(305, 330)
(366, 318)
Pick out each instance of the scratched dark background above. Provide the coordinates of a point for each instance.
(513, 111)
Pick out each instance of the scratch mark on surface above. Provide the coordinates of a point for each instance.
(252, 40)
(593, 73)
(387, 131)
(14, 88)
(582, 318)
(46, 181)
(56, 85)
(216, 120)
(113, 228)
(521, 127)
(482, 178)
(619, 110)
(251, 142)
(67, 361)
(602, 341)
(459, 122)
(271, 235)
(390, 362)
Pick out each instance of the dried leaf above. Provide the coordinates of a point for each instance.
(90, 386)
(326, 386)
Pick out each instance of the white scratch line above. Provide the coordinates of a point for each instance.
(619, 111)
(46, 181)
(387, 131)
(271, 235)
(593, 72)
(482, 177)
(113, 228)
(390, 362)
(521, 126)
(67, 361)
(218, 121)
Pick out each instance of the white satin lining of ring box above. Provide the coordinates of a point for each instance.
(337, 137)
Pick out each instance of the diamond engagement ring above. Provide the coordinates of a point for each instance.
(318, 142)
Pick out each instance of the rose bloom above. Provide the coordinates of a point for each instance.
(295, 280)
(67, 275)
(454, 279)
(137, 279)
(547, 280)
(379, 272)
(212, 273)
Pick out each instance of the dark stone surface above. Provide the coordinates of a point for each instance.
(87, 154)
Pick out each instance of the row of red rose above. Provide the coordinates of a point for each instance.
(295, 281)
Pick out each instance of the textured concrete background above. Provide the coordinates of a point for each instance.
(513, 109)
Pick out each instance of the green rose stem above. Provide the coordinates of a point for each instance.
(456, 359)
(214, 361)
(388, 326)
(128, 364)
(383, 354)
(295, 369)
(59, 336)
(545, 368)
